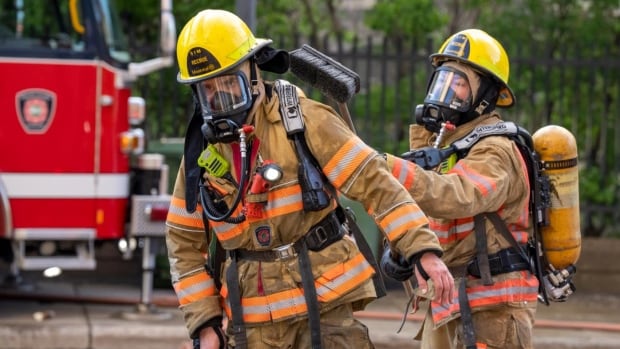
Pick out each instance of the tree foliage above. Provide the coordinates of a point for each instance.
(404, 19)
(538, 35)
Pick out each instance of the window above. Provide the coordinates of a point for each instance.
(35, 24)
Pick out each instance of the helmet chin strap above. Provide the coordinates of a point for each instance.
(253, 81)
(484, 103)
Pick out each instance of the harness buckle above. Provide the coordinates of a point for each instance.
(285, 252)
(318, 236)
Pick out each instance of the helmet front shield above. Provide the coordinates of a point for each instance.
(450, 88)
(224, 95)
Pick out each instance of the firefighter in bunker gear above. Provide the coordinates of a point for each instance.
(277, 252)
(477, 201)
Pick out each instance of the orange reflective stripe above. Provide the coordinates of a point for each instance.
(227, 231)
(346, 161)
(520, 235)
(288, 303)
(341, 279)
(404, 171)
(402, 219)
(255, 309)
(275, 306)
(520, 289)
(453, 230)
(483, 183)
(440, 312)
(177, 214)
(511, 290)
(194, 288)
(283, 201)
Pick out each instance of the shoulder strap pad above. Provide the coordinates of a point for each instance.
(290, 110)
(500, 129)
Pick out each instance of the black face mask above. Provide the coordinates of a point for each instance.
(223, 130)
(220, 131)
(224, 113)
(432, 116)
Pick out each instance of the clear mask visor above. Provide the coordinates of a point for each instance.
(450, 88)
(224, 95)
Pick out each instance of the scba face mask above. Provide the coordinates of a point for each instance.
(449, 96)
(224, 102)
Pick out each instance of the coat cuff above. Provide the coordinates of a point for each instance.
(200, 312)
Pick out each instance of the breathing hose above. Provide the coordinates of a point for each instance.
(208, 205)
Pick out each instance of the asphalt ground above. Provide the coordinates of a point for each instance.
(89, 315)
(107, 308)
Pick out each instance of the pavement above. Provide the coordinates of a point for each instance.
(101, 311)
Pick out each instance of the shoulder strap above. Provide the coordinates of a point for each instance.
(289, 107)
(430, 157)
(504, 128)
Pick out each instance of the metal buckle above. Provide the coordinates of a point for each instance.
(319, 235)
(285, 252)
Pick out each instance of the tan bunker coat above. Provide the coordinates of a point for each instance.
(492, 177)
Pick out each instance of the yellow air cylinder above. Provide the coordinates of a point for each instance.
(561, 239)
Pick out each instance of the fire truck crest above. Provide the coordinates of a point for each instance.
(35, 109)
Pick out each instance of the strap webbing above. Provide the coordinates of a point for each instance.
(366, 251)
(234, 298)
(501, 227)
(307, 281)
(482, 253)
(469, 334)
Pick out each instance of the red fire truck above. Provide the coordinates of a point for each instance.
(72, 166)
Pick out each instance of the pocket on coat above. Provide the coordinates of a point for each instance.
(491, 327)
(340, 330)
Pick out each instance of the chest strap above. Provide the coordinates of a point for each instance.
(504, 261)
(321, 235)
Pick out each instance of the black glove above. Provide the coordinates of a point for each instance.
(400, 269)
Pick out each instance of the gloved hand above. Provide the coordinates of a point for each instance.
(398, 269)
(427, 157)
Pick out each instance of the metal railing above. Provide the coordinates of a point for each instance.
(578, 88)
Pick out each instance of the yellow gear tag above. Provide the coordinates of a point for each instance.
(448, 164)
(213, 162)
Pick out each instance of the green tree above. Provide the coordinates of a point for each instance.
(405, 19)
(539, 36)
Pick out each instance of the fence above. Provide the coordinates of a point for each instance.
(576, 87)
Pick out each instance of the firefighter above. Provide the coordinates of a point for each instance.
(281, 266)
(477, 202)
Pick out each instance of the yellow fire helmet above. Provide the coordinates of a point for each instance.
(483, 53)
(214, 42)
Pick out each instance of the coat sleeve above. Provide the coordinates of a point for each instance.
(490, 176)
(361, 174)
(187, 252)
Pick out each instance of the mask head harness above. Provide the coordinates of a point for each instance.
(226, 99)
(456, 94)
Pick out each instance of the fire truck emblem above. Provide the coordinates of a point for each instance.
(35, 109)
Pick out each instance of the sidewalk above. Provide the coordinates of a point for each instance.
(585, 321)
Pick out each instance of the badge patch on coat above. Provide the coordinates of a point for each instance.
(263, 236)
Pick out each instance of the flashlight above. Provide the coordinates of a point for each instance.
(266, 176)
(271, 172)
